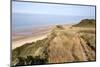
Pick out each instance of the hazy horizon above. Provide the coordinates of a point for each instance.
(26, 14)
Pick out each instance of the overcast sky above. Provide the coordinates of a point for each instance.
(52, 9)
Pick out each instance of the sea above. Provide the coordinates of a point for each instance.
(21, 21)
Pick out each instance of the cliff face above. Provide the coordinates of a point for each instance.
(62, 45)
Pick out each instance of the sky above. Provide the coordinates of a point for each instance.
(52, 9)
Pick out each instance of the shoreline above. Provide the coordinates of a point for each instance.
(21, 38)
(21, 42)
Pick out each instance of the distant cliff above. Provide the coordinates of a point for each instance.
(86, 23)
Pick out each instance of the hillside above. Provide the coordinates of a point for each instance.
(63, 44)
(86, 23)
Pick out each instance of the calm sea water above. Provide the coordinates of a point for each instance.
(24, 21)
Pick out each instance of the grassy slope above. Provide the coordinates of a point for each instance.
(62, 45)
(86, 23)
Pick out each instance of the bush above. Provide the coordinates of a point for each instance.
(30, 60)
(59, 26)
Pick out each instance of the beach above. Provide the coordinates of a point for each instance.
(21, 38)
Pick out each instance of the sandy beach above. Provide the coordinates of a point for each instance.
(20, 38)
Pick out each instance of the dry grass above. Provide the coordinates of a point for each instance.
(64, 44)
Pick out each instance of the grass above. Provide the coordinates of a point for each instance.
(90, 39)
(87, 31)
(37, 52)
(86, 23)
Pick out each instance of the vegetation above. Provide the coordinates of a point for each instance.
(59, 27)
(62, 45)
(29, 60)
(87, 31)
(86, 23)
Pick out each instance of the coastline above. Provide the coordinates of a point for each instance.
(38, 34)
(21, 42)
(34, 35)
